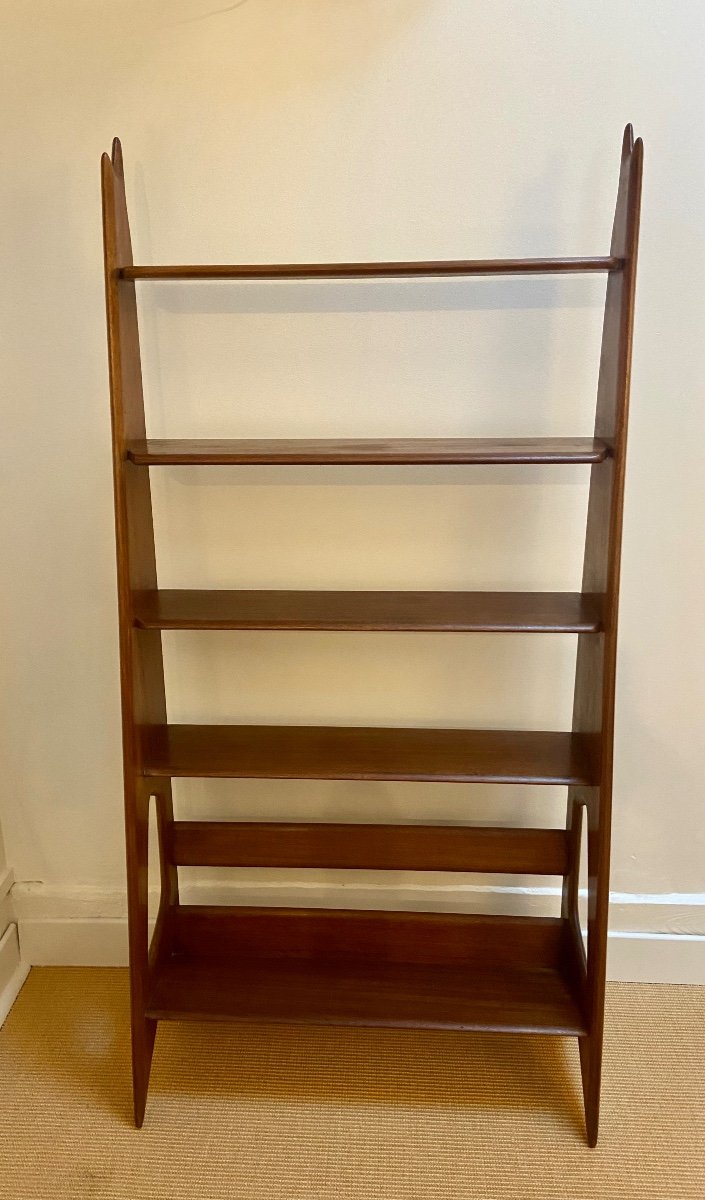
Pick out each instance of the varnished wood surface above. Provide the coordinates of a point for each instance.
(362, 968)
(141, 669)
(349, 935)
(453, 612)
(594, 705)
(396, 995)
(327, 966)
(374, 847)
(496, 266)
(235, 452)
(325, 752)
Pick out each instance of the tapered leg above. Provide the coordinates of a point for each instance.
(591, 1070)
(144, 1031)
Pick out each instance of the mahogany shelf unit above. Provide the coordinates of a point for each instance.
(437, 971)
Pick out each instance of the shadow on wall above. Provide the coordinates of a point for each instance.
(282, 297)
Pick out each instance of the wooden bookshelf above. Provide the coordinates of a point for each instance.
(440, 971)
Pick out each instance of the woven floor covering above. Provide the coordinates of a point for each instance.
(283, 1111)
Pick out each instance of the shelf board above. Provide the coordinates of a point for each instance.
(496, 266)
(437, 971)
(364, 451)
(411, 996)
(431, 612)
(323, 752)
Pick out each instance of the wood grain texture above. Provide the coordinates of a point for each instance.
(326, 752)
(141, 668)
(437, 612)
(373, 847)
(347, 935)
(497, 266)
(396, 995)
(297, 452)
(434, 970)
(326, 966)
(593, 713)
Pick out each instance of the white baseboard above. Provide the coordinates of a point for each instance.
(653, 938)
(13, 971)
(75, 943)
(656, 957)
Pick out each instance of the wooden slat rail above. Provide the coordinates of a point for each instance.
(373, 847)
(234, 452)
(490, 266)
(430, 612)
(234, 932)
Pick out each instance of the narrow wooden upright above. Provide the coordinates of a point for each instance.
(593, 713)
(521, 974)
(141, 667)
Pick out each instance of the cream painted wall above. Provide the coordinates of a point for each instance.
(326, 129)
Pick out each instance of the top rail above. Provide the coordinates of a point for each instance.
(490, 266)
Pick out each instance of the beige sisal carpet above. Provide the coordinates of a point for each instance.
(266, 1111)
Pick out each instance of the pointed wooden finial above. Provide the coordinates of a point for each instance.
(117, 155)
(627, 141)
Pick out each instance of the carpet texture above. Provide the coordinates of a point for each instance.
(252, 1112)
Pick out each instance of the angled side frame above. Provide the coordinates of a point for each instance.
(593, 712)
(141, 667)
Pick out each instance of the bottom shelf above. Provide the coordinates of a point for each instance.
(246, 977)
(401, 994)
